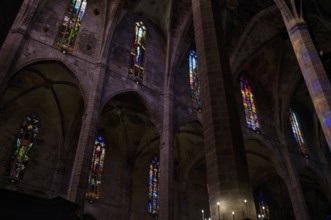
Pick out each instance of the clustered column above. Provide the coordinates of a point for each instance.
(310, 63)
(15, 38)
(167, 161)
(227, 170)
(81, 168)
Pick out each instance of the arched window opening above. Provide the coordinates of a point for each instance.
(194, 81)
(262, 207)
(249, 105)
(94, 180)
(297, 133)
(69, 29)
(137, 56)
(24, 142)
(153, 195)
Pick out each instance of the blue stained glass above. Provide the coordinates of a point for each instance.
(262, 206)
(136, 68)
(297, 133)
(98, 157)
(194, 81)
(153, 194)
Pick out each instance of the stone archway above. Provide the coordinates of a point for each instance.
(132, 140)
(49, 90)
(266, 179)
(191, 187)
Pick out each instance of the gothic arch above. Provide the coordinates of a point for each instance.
(64, 63)
(48, 89)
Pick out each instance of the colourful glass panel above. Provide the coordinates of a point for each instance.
(94, 180)
(153, 196)
(249, 106)
(24, 142)
(262, 207)
(137, 56)
(68, 31)
(194, 80)
(297, 132)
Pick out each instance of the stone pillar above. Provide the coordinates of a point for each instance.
(227, 169)
(166, 201)
(310, 64)
(294, 189)
(81, 167)
(15, 39)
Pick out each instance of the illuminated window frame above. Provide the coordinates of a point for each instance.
(95, 175)
(194, 81)
(297, 133)
(249, 104)
(24, 142)
(68, 32)
(153, 192)
(137, 55)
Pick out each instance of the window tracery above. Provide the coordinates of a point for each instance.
(249, 104)
(69, 29)
(137, 55)
(24, 142)
(194, 80)
(94, 180)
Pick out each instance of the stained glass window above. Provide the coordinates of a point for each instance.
(153, 196)
(194, 80)
(137, 56)
(68, 31)
(262, 207)
(24, 142)
(249, 106)
(297, 132)
(94, 180)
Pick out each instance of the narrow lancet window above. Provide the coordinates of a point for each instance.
(262, 207)
(24, 142)
(249, 105)
(194, 81)
(69, 29)
(137, 56)
(297, 132)
(94, 180)
(153, 195)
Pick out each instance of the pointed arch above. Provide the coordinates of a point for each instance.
(137, 55)
(153, 192)
(249, 104)
(24, 142)
(98, 158)
(194, 80)
(69, 29)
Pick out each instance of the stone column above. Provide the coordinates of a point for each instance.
(15, 39)
(227, 169)
(310, 64)
(294, 188)
(167, 161)
(81, 167)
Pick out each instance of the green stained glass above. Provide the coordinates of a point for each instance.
(24, 142)
(68, 31)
